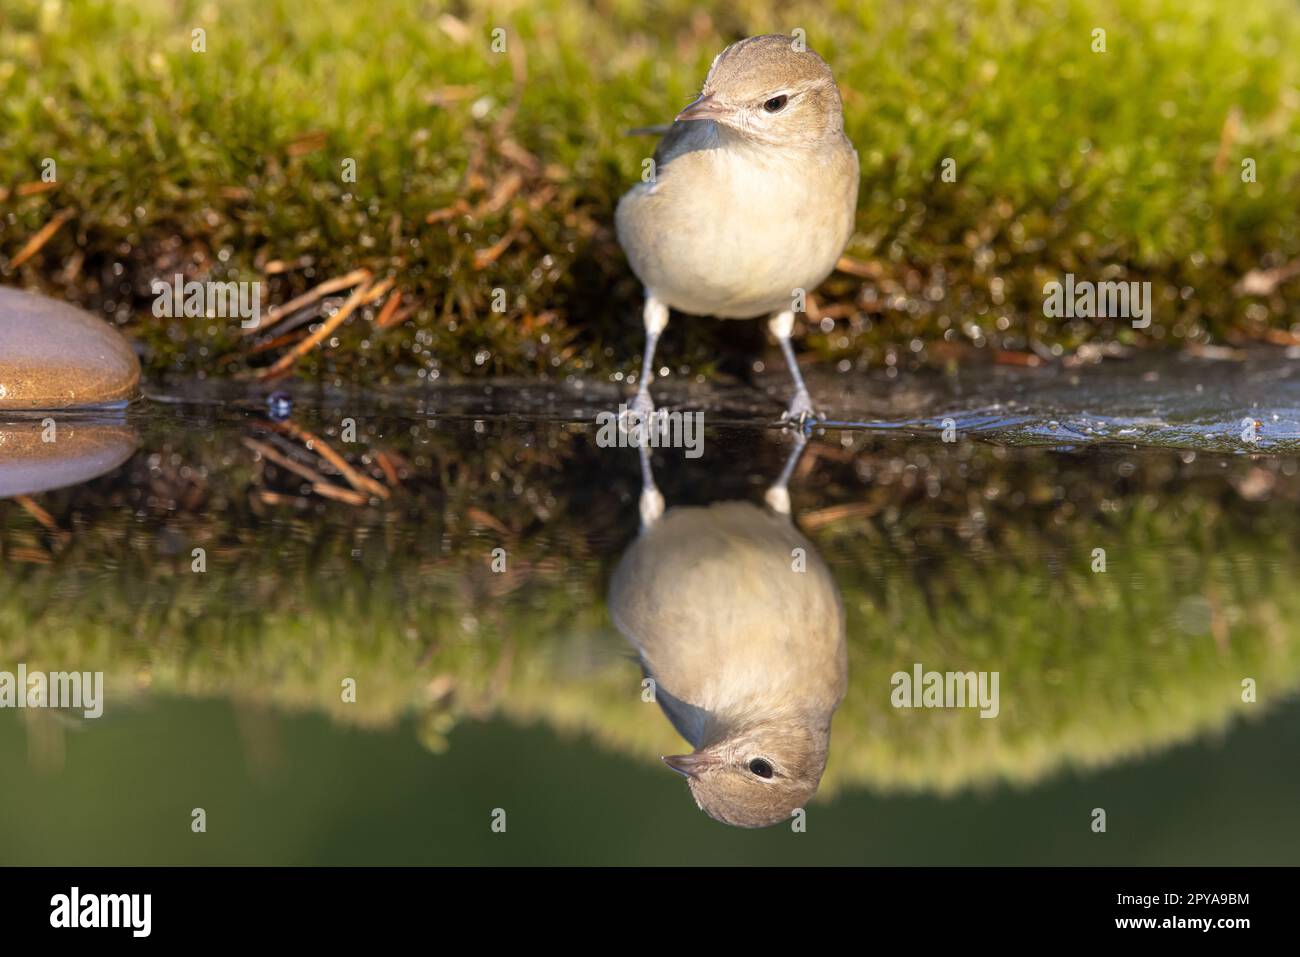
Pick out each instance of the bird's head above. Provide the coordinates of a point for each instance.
(770, 90)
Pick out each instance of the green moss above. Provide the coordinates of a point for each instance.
(217, 163)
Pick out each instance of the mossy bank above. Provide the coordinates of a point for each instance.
(134, 147)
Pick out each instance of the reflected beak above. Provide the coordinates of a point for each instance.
(690, 765)
(705, 108)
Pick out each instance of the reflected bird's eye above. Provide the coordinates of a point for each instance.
(761, 768)
(775, 105)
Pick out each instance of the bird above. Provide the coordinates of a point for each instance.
(752, 199)
(738, 623)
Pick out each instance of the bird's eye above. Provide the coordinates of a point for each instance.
(761, 768)
(775, 105)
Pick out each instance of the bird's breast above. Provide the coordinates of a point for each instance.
(729, 605)
(729, 233)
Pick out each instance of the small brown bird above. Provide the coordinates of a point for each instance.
(739, 623)
(752, 200)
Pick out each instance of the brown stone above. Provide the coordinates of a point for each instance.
(56, 356)
(37, 455)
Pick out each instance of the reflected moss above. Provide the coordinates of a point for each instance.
(967, 557)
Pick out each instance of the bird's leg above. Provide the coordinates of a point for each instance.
(801, 408)
(655, 316)
(652, 502)
(778, 496)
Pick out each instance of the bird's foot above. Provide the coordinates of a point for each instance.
(801, 412)
(643, 407)
(641, 417)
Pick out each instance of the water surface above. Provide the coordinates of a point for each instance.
(481, 687)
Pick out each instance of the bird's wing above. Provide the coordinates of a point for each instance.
(677, 140)
(657, 130)
(689, 720)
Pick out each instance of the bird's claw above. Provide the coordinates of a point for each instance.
(641, 417)
(801, 412)
(643, 406)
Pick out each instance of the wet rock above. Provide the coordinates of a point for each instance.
(56, 356)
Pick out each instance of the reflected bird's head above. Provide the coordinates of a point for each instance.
(758, 776)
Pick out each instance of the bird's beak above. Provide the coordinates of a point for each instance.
(705, 108)
(690, 765)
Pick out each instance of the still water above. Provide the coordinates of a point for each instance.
(404, 628)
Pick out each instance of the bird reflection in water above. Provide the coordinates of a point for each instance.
(739, 626)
